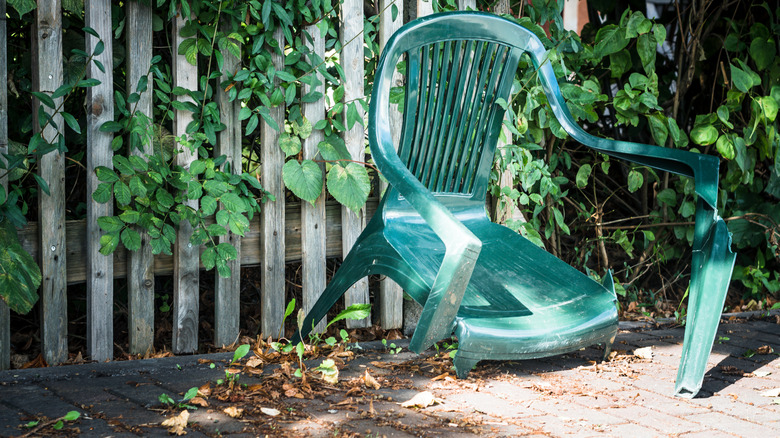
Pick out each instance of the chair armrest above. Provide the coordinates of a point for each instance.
(462, 246)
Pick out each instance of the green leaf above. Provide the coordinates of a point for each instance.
(108, 243)
(22, 6)
(302, 128)
(71, 121)
(619, 63)
(333, 148)
(238, 223)
(227, 251)
(763, 52)
(208, 205)
(704, 135)
(164, 198)
(111, 126)
(130, 216)
(209, 258)
(582, 175)
(122, 164)
(290, 307)
(668, 197)
(20, 276)
(44, 98)
(105, 174)
(137, 187)
(240, 352)
(687, 209)
(102, 193)
(609, 39)
(131, 239)
(646, 46)
(290, 144)
(769, 107)
(251, 124)
(71, 416)
(725, 147)
(355, 311)
(110, 224)
(233, 202)
(741, 79)
(658, 128)
(190, 394)
(303, 179)
(349, 185)
(635, 180)
(122, 193)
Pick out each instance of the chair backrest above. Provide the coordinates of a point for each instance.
(457, 67)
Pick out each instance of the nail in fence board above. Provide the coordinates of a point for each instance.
(272, 215)
(391, 304)
(100, 109)
(228, 290)
(313, 226)
(47, 77)
(185, 255)
(140, 263)
(352, 62)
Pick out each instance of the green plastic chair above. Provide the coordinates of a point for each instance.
(502, 296)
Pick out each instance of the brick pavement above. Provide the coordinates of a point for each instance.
(569, 395)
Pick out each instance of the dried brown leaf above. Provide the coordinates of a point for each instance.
(177, 424)
(370, 381)
(233, 411)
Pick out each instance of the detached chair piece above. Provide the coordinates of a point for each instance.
(502, 296)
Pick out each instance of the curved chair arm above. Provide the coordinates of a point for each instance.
(462, 246)
(713, 260)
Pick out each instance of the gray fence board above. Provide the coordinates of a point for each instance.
(100, 109)
(185, 255)
(228, 290)
(140, 263)
(313, 226)
(47, 77)
(272, 215)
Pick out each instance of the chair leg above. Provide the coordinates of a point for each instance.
(348, 274)
(463, 365)
(608, 346)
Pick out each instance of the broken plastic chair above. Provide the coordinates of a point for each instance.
(504, 297)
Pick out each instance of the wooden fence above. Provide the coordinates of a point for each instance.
(67, 251)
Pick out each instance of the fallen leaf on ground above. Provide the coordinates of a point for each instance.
(270, 411)
(774, 392)
(761, 373)
(198, 401)
(370, 381)
(421, 400)
(178, 423)
(765, 349)
(254, 362)
(205, 390)
(644, 353)
(233, 411)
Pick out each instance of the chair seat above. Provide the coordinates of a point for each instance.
(521, 302)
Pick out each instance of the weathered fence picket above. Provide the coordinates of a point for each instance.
(272, 215)
(185, 255)
(5, 313)
(352, 62)
(313, 225)
(140, 263)
(391, 303)
(227, 291)
(47, 77)
(465, 5)
(424, 7)
(100, 109)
